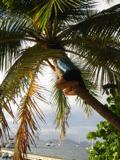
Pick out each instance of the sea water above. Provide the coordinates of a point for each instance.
(66, 151)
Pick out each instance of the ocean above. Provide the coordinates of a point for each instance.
(68, 150)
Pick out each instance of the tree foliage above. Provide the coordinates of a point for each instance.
(107, 138)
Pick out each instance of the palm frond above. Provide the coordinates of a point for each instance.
(17, 6)
(104, 23)
(90, 85)
(109, 1)
(18, 75)
(16, 81)
(17, 78)
(3, 12)
(13, 32)
(45, 10)
(48, 8)
(100, 56)
(6, 105)
(42, 12)
(62, 111)
(77, 13)
(86, 108)
(27, 117)
(4, 128)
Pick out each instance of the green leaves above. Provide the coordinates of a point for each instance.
(20, 78)
(62, 111)
(107, 138)
(107, 144)
(18, 74)
(99, 56)
(105, 23)
(4, 127)
(13, 32)
(45, 10)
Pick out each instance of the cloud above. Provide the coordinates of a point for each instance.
(102, 4)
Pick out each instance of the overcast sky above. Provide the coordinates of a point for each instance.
(103, 4)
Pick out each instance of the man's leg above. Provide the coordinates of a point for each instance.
(70, 91)
(68, 87)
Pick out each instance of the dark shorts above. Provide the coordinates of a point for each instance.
(72, 75)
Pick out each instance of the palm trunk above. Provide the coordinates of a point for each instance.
(103, 110)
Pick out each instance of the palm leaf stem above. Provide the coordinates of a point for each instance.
(17, 39)
(75, 53)
(52, 66)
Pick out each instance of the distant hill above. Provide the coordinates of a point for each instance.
(66, 142)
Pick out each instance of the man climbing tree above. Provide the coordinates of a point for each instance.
(70, 77)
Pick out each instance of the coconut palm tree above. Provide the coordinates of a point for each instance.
(34, 34)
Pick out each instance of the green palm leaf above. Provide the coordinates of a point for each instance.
(4, 127)
(17, 81)
(44, 11)
(18, 75)
(6, 106)
(17, 78)
(13, 32)
(100, 56)
(104, 23)
(62, 111)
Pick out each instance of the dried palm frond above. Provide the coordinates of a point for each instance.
(28, 115)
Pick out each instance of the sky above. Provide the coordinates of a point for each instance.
(103, 4)
(79, 124)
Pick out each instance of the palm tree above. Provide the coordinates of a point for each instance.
(32, 35)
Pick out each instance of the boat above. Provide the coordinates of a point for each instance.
(10, 144)
(50, 144)
(5, 156)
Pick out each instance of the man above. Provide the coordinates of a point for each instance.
(69, 76)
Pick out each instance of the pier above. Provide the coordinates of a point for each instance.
(29, 156)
